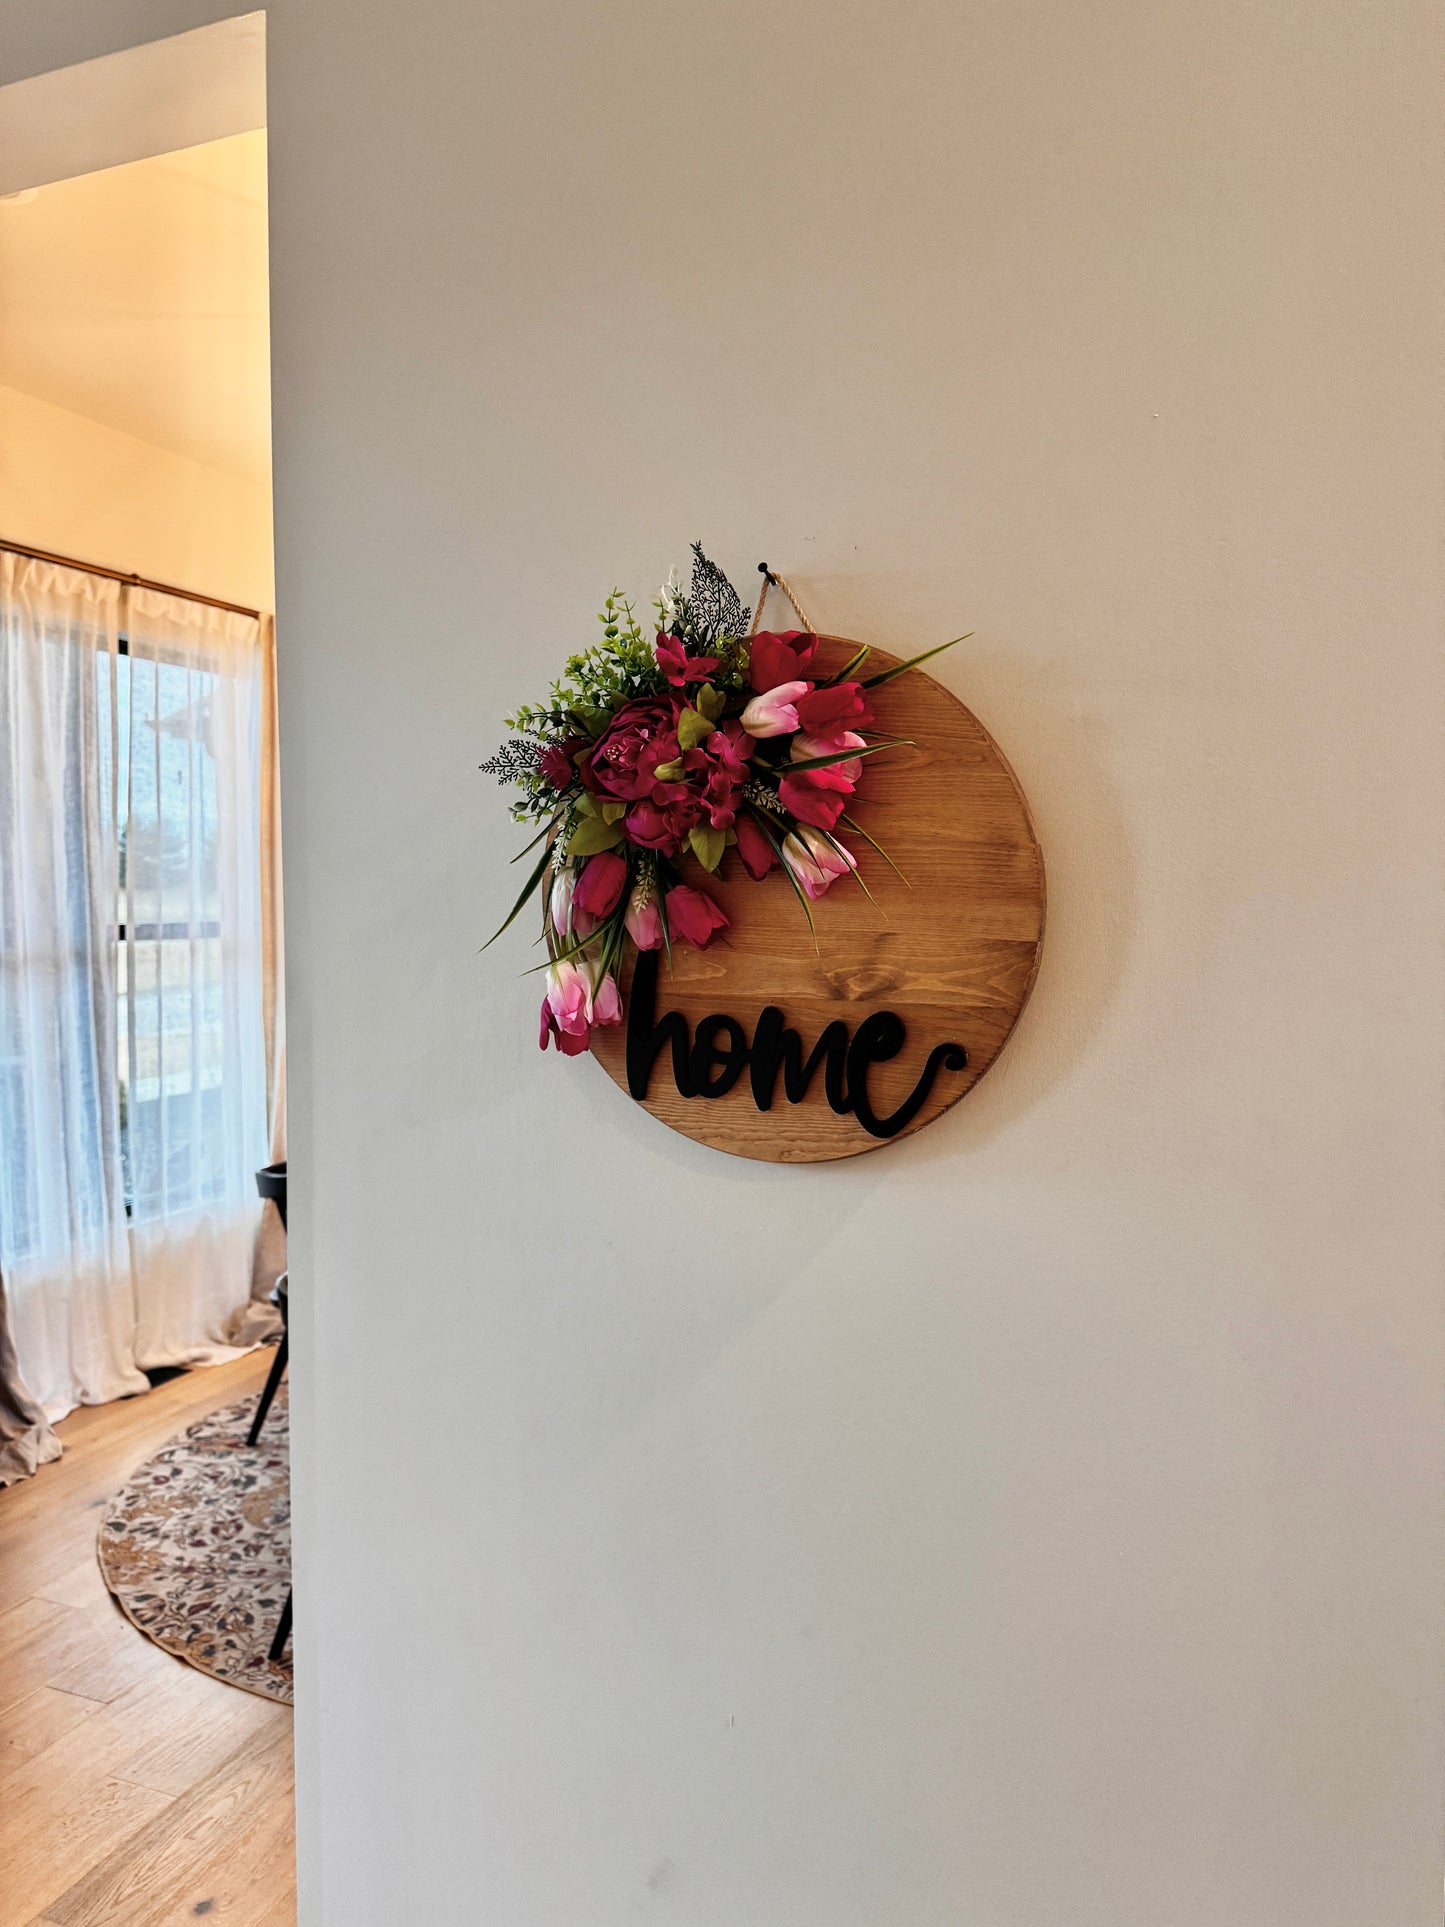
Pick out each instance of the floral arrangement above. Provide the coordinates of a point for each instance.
(653, 754)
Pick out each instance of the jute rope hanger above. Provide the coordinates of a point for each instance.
(772, 580)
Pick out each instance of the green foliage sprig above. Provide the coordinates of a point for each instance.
(595, 682)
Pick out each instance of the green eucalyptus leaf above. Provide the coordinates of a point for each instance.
(707, 846)
(592, 835)
(711, 702)
(693, 728)
(614, 811)
(669, 772)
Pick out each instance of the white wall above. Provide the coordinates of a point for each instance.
(147, 100)
(1037, 1524)
(83, 489)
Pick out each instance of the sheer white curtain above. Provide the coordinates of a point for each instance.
(63, 1244)
(193, 1045)
(133, 1098)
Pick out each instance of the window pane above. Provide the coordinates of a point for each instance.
(172, 1049)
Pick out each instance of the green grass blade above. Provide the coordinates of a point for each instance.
(662, 919)
(858, 830)
(887, 675)
(853, 872)
(797, 887)
(839, 756)
(531, 884)
(546, 830)
(853, 662)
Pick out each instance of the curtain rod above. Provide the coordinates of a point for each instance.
(134, 581)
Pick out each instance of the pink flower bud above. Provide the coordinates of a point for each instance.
(560, 901)
(815, 862)
(564, 1008)
(692, 916)
(604, 1005)
(837, 775)
(600, 884)
(754, 848)
(774, 714)
(644, 920)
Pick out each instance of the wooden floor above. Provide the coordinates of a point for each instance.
(134, 1791)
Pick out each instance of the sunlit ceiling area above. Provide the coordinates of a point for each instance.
(138, 297)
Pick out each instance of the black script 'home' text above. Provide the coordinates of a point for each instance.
(709, 1063)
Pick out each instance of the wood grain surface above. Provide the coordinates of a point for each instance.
(134, 1790)
(952, 944)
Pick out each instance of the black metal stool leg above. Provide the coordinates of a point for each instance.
(283, 1633)
(273, 1379)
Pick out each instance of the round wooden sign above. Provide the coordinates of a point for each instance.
(804, 1054)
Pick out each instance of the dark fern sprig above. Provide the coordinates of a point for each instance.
(713, 604)
(514, 761)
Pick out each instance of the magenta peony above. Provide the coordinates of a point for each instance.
(693, 917)
(624, 759)
(639, 760)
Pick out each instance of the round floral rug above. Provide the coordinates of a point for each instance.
(196, 1547)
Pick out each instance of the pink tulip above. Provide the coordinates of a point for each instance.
(814, 862)
(754, 848)
(692, 916)
(773, 659)
(568, 989)
(576, 1003)
(774, 714)
(600, 884)
(812, 802)
(564, 1008)
(837, 775)
(560, 902)
(604, 1005)
(569, 1045)
(840, 706)
(644, 920)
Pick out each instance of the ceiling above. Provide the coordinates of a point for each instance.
(138, 297)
